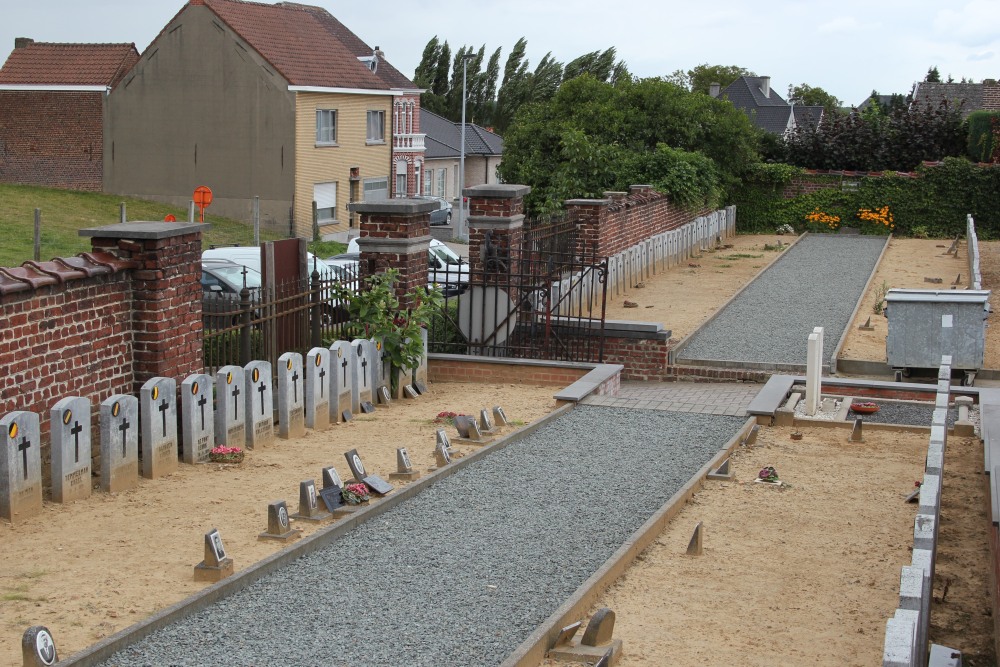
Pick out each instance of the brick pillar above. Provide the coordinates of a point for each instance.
(496, 211)
(395, 234)
(166, 294)
(590, 216)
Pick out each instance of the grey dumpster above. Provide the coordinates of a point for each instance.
(925, 324)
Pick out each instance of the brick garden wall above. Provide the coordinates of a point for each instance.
(53, 139)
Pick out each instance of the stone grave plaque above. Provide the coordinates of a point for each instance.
(404, 466)
(279, 525)
(331, 497)
(291, 396)
(197, 418)
(364, 375)
(441, 455)
(259, 406)
(217, 564)
(468, 429)
(383, 376)
(374, 482)
(158, 419)
(38, 647)
(500, 416)
(485, 421)
(119, 443)
(751, 436)
(69, 421)
(20, 466)
(462, 426)
(309, 508)
(342, 377)
(378, 485)
(331, 478)
(442, 439)
(230, 407)
(318, 389)
(420, 372)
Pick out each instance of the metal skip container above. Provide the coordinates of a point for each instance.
(926, 324)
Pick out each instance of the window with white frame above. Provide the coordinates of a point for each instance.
(442, 174)
(401, 178)
(428, 180)
(325, 196)
(376, 127)
(326, 127)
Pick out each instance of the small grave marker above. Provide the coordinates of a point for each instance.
(404, 467)
(259, 407)
(695, 545)
(441, 456)
(486, 421)
(217, 564)
(500, 416)
(309, 508)
(867, 326)
(442, 439)
(20, 466)
(69, 422)
(38, 647)
(723, 473)
(318, 389)
(279, 526)
(751, 436)
(230, 408)
(197, 418)
(600, 628)
(374, 482)
(158, 418)
(958, 280)
(566, 634)
(291, 396)
(856, 435)
(119, 443)
(468, 430)
(330, 493)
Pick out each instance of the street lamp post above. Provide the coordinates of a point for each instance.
(463, 232)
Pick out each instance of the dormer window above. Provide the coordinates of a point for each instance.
(370, 61)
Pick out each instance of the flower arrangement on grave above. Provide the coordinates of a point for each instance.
(768, 474)
(784, 229)
(226, 455)
(866, 407)
(447, 417)
(355, 494)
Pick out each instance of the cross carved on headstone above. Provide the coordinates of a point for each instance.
(344, 366)
(23, 447)
(164, 406)
(322, 381)
(123, 429)
(236, 401)
(295, 386)
(75, 432)
(201, 404)
(364, 370)
(261, 388)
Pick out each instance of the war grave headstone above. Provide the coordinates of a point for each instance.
(404, 466)
(37, 647)
(309, 509)
(217, 564)
(230, 407)
(317, 387)
(21, 466)
(197, 418)
(259, 405)
(383, 373)
(158, 419)
(342, 380)
(279, 525)
(291, 396)
(119, 417)
(69, 422)
(420, 372)
(500, 416)
(374, 482)
(364, 376)
(403, 387)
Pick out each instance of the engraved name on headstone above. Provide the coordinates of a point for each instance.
(119, 427)
(318, 388)
(230, 407)
(158, 417)
(342, 378)
(291, 396)
(69, 422)
(20, 466)
(197, 418)
(259, 405)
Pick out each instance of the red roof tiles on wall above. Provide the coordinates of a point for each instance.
(44, 63)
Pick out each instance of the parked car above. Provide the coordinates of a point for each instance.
(442, 214)
(221, 284)
(445, 269)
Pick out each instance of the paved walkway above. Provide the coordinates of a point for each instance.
(702, 397)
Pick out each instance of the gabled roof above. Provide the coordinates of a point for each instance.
(296, 43)
(806, 116)
(968, 96)
(767, 109)
(53, 64)
(444, 138)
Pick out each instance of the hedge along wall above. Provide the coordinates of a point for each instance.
(932, 201)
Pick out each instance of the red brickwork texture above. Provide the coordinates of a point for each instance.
(53, 139)
(440, 370)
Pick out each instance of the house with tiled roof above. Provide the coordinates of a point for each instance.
(765, 107)
(52, 99)
(968, 97)
(276, 101)
(483, 153)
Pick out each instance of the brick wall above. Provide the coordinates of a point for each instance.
(53, 139)
(468, 370)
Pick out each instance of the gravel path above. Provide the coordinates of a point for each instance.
(816, 283)
(463, 572)
(902, 412)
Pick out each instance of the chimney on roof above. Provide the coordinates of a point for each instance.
(714, 89)
(21, 42)
(379, 53)
(765, 86)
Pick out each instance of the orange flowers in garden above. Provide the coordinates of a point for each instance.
(880, 216)
(822, 218)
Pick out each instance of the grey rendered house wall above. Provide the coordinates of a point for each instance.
(202, 108)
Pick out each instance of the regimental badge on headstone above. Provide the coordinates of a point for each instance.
(20, 466)
(309, 508)
(197, 418)
(38, 647)
(342, 377)
(230, 407)
(291, 396)
(69, 421)
(259, 404)
(279, 525)
(158, 417)
(119, 443)
(318, 388)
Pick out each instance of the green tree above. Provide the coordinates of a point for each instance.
(699, 79)
(514, 86)
(933, 76)
(813, 96)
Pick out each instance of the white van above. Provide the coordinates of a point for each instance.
(249, 256)
(444, 268)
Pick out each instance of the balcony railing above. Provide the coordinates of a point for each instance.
(408, 142)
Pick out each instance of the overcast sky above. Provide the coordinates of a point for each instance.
(848, 48)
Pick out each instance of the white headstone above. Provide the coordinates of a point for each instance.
(230, 407)
(814, 371)
(259, 404)
(342, 380)
(318, 388)
(158, 417)
(69, 421)
(197, 418)
(119, 443)
(20, 466)
(291, 396)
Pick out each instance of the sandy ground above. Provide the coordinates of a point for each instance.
(88, 569)
(806, 574)
(906, 263)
